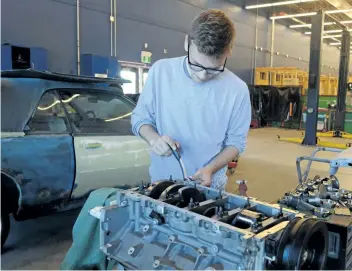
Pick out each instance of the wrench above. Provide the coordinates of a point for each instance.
(182, 165)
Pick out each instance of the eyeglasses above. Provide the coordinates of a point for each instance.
(199, 68)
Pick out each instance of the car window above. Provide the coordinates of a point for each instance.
(98, 112)
(49, 116)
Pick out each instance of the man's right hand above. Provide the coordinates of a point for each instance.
(161, 145)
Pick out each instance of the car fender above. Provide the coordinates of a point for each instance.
(13, 180)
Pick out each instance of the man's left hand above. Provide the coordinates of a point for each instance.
(205, 175)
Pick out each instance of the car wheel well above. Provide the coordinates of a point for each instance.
(9, 194)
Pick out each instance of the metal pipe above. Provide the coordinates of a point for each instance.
(78, 40)
(134, 64)
(272, 42)
(315, 60)
(343, 80)
(115, 26)
(254, 62)
(111, 27)
(137, 217)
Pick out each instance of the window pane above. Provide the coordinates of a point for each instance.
(98, 112)
(129, 88)
(49, 116)
(145, 76)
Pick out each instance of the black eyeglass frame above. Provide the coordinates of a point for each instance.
(212, 71)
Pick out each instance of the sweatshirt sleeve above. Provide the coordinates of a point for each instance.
(237, 131)
(144, 112)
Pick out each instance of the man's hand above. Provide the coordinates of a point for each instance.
(205, 175)
(161, 145)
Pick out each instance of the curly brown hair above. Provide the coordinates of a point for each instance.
(213, 33)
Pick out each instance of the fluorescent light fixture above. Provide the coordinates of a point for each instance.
(294, 15)
(308, 25)
(310, 14)
(300, 25)
(338, 11)
(329, 31)
(332, 36)
(283, 3)
(336, 43)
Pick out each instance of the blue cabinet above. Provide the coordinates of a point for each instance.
(114, 67)
(94, 65)
(6, 57)
(19, 57)
(39, 59)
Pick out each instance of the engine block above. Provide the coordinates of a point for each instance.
(323, 198)
(183, 225)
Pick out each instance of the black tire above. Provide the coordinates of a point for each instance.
(5, 226)
(9, 205)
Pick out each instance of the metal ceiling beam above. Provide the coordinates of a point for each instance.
(341, 4)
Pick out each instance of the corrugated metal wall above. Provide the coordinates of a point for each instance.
(162, 24)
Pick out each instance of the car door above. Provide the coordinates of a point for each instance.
(42, 160)
(107, 153)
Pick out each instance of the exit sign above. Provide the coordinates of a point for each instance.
(146, 57)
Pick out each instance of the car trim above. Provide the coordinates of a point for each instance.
(12, 134)
(53, 76)
(18, 188)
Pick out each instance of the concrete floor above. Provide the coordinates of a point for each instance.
(268, 165)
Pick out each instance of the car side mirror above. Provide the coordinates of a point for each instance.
(349, 86)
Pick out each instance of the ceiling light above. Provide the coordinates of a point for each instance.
(310, 14)
(328, 31)
(336, 43)
(338, 11)
(279, 4)
(333, 31)
(294, 15)
(308, 25)
(300, 25)
(332, 36)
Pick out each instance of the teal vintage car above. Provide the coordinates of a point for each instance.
(63, 136)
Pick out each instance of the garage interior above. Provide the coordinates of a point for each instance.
(293, 55)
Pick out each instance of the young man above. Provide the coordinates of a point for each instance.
(196, 106)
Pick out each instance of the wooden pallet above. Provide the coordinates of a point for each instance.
(292, 76)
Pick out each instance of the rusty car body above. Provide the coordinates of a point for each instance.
(63, 136)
